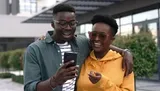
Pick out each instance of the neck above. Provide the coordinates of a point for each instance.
(100, 55)
(57, 39)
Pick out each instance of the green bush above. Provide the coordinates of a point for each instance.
(18, 79)
(16, 59)
(4, 56)
(5, 75)
(144, 50)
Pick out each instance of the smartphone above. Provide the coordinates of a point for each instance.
(68, 56)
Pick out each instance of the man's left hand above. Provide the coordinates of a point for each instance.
(127, 64)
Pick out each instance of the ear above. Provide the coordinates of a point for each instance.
(90, 34)
(113, 38)
(52, 25)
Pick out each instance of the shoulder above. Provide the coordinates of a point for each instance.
(82, 39)
(38, 44)
(115, 54)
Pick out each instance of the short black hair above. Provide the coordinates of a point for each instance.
(107, 19)
(63, 8)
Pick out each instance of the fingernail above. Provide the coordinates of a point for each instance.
(72, 61)
(76, 75)
(61, 64)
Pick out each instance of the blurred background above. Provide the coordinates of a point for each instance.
(24, 21)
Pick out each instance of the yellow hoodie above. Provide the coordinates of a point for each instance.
(110, 67)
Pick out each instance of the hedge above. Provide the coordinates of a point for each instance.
(142, 46)
(4, 56)
(5, 75)
(18, 79)
(144, 50)
(16, 59)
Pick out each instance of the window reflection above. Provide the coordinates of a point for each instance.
(28, 6)
(85, 28)
(126, 20)
(117, 20)
(152, 14)
(153, 28)
(126, 29)
(118, 32)
(137, 28)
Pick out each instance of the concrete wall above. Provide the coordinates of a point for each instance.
(4, 7)
(11, 26)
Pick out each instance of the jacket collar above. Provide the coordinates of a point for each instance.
(111, 55)
(49, 38)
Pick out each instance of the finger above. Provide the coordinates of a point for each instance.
(126, 69)
(73, 68)
(123, 63)
(131, 66)
(97, 74)
(91, 79)
(69, 77)
(91, 73)
(71, 73)
(92, 76)
(67, 63)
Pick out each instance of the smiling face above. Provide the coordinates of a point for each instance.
(65, 26)
(101, 37)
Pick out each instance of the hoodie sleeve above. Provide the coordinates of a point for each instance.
(104, 84)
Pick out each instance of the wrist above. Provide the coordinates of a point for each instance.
(124, 51)
(52, 82)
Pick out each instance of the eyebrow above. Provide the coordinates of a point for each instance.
(66, 20)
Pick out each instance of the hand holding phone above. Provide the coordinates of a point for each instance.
(70, 56)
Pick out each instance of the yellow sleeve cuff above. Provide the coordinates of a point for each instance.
(104, 82)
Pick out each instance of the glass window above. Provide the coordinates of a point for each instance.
(153, 28)
(118, 32)
(138, 28)
(159, 12)
(126, 29)
(82, 28)
(152, 14)
(28, 6)
(85, 29)
(117, 20)
(126, 20)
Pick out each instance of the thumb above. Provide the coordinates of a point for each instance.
(97, 74)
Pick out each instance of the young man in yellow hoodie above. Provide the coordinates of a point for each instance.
(102, 70)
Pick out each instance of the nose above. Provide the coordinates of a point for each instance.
(68, 27)
(97, 37)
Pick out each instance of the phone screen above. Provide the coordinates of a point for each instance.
(68, 56)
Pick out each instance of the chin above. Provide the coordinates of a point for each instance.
(68, 38)
(97, 50)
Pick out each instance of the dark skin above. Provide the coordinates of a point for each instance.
(61, 35)
(100, 45)
(127, 58)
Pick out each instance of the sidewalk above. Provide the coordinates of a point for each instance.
(142, 85)
(8, 85)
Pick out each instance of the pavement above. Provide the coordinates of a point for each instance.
(9, 85)
(145, 85)
(141, 85)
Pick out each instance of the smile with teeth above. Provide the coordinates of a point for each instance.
(97, 44)
(66, 33)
